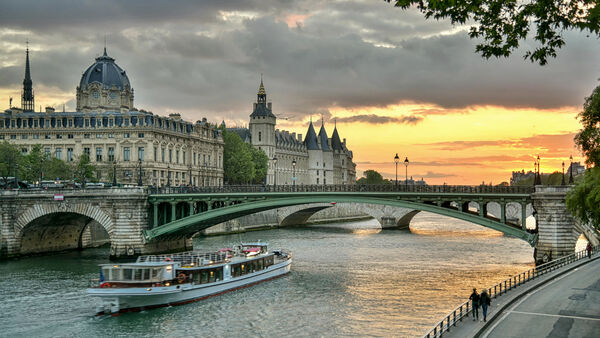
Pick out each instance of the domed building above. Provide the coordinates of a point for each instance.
(104, 86)
(126, 145)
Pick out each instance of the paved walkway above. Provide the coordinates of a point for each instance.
(563, 303)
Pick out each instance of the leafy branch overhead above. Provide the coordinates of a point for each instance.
(503, 24)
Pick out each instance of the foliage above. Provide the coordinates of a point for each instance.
(588, 138)
(261, 164)
(237, 160)
(34, 164)
(10, 159)
(55, 169)
(84, 171)
(372, 177)
(504, 24)
(583, 200)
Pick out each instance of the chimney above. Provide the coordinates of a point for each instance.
(49, 110)
(293, 135)
(300, 137)
(344, 141)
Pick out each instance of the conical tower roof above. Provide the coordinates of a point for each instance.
(336, 143)
(323, 138)
(311, 138)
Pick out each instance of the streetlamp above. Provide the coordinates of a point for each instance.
(539, 174)
(396, 159)
(406, 173)
(294, 174)
(168, 176)
(114, 173)
(41, 171)
(571, 170)
(190, 175)
(275, 172)
(140, 173)
(563, 174)
(16, 176)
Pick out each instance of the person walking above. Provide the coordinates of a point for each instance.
(485, 301)
(475, 298)
(589, 250)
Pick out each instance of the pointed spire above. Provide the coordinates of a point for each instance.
(27, 70)
(27, 99)
(105, 46)
(323, 137)
(261, 88)
(311, 138)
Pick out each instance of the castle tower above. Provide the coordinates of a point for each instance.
(262, 127)
(27, 99)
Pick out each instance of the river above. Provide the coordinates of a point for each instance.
(347, 279)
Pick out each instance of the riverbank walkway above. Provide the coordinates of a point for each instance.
(562, 303)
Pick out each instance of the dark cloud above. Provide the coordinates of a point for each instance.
(377, 119)
(204, 58)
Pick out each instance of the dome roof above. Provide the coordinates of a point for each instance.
(106, 72)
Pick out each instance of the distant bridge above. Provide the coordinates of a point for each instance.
(140, 220)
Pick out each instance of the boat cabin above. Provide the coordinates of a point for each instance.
(137, 273)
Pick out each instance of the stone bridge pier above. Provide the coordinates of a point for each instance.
(39, 221)
(558, 232)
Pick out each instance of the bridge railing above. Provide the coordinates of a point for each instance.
(503, 287)
(471, 189)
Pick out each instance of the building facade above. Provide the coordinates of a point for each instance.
(317, 159)
(117, 138)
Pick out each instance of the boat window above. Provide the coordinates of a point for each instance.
(156, 273)
(212, 275)
(268, 261)
(204, 277)
(106, 273)
(138, 274)
(127, 274)
(260, 264)
(197, 278)
(219, 273)
(146, 275)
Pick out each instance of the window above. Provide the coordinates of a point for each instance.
(177, 156)
(317, 180)
(58, 123)
(177, 175)
(47, 136)
(155, 154)
(126, 123)
(13, 137)
(47, 152)
(87, 123)
(70, 154)
(70, 123)
(1, 137)
(194, 157)
(86, 135)
(323, 164)
(58, 136)
(36, 136)
(184, 157)
(170, 155)
(98, 154)
(24, 151)
(204, 159)
(111, 154)
(162, 173)
(126, 135)
(69, 135)
(209, 159)
(154, 173)
(259, 136)
(141, 153)
(111, 123)
(86, 152)
(24, 136)
(35, 123)
(59, 153)
(126, 154)
(140, 135)
(111, 135)
(183, 176)
(162, 156)
(98, 135)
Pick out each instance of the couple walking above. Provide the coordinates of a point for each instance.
(482, 299)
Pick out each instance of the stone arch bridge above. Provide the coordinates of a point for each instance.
(140, 221)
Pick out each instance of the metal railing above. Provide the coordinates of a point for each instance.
(501, 288)
(476, 189)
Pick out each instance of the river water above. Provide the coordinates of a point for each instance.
(347, 279)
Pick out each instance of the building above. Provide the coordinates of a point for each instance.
(317, 159)
(518, 176)
(161, 150)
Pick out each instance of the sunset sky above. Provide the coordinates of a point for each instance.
(393, 81)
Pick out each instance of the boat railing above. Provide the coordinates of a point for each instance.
(186, 258)
(283, 254)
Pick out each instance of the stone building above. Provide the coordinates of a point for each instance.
(317, 159)
(163, 150)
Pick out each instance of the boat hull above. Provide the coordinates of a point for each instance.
(115, 300)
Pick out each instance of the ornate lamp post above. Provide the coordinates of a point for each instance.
(571, 170)
(563, 174)
(140, 183)
(114, 173)
(396, 160)
(275, 172)
(406, 173)
(16, 175)
(190, 175)
(41, 171)
(294, 174)
(168, 176)
(539, 174)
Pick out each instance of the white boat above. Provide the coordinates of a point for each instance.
(164, 280)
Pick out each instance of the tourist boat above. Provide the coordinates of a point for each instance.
(174, 279)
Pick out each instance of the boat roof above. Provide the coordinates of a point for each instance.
(138, 264)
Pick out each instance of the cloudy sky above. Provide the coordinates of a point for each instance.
(395, 82)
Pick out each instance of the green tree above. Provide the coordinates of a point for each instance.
(372, 177)
(237, 160)
(34, 163)
(84, 171)
(503, 24)
(260, 161)
(583, 201)
(55, 169)
(11, 159)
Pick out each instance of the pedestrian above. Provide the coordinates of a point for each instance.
(475, 298)
(485, 301)
(589, 250)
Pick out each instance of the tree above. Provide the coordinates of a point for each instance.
(503, 24)
(84, 170)
(584, 199)
(261, 164)
(10, 160)
(372, 177)
(237, 160)
(55, 169)
(34, 163)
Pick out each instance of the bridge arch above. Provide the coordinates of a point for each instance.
(195, 223)
(56, 227)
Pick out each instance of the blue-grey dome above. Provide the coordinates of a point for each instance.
(106, 72)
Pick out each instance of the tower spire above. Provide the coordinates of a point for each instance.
(262, 93)
(27, 99)
(104, 46)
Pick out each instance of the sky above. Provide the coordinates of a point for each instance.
(390, 80)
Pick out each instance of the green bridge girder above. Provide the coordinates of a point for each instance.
(254, 202)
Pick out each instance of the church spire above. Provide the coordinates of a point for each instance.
(27, 99)
(262, 94)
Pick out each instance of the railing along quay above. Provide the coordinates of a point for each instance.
(501, 288)
(460, 189)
